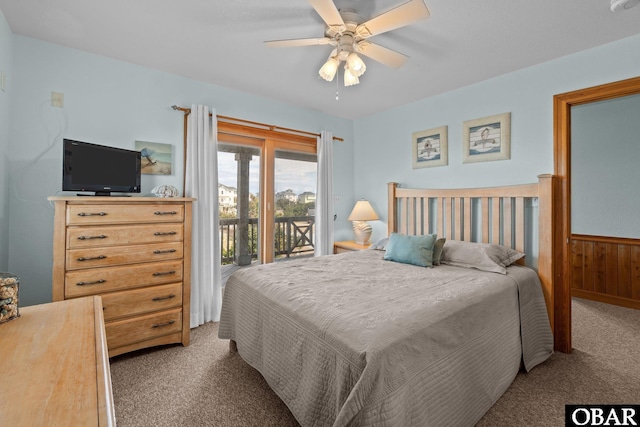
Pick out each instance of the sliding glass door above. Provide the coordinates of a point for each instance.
(266, 196)
(295, 178)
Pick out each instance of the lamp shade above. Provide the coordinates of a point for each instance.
(363, 211)
(356, 65)
(349, 78)
(328, 70)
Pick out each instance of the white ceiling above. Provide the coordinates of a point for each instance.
(220, 42)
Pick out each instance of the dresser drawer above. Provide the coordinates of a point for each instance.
(119, 255)
(118, 214)
(128, 331)
(99, 280)
(115, 235)
(139, 301)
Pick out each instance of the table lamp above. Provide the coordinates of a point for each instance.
(361, 213)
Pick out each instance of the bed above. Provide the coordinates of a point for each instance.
(355, 339)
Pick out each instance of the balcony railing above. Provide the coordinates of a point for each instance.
(293, 237)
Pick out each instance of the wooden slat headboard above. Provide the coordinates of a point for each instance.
(488, 215)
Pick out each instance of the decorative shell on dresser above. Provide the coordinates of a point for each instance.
(165, 191)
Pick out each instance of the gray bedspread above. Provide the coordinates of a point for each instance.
(353, 340)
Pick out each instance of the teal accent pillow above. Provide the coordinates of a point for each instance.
(416, 250)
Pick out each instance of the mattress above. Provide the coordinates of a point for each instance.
(354, 340)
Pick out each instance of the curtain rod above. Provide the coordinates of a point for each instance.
(255, 124)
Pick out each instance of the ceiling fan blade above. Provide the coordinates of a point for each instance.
(383, 55)
(329, 14)
(298, 42)
(404, 14)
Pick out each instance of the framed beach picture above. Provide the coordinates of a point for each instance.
(430, 148)
(487, 139)
(156, 157)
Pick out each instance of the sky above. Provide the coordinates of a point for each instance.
(296, 175)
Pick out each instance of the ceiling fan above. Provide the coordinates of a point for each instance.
(347, 32)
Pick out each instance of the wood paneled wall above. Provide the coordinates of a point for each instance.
(606, 269)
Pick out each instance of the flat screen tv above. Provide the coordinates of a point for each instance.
(100, 169)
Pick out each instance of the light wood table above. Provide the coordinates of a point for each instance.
(55, 368)
(347, 246)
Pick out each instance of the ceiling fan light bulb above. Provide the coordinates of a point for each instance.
(349, 78)
(356, 65)
(329, 69)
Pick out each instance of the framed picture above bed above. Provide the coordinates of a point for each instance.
(487, 139)
(430, 148)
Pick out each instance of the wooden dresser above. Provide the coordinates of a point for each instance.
(135, 252)
(55, 368)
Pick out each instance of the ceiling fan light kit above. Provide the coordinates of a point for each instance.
(347, 33)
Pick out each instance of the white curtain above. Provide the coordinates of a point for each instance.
(201, 182)
(324, 197)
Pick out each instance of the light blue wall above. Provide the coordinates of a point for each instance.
(6, 67)
(605, 168)
(383, 141)
(115, 103)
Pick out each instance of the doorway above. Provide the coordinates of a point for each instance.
(562, 169)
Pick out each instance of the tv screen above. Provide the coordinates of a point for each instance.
(98, 168)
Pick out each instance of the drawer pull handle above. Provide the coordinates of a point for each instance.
(92, 214)
(102, 236)
(163, 298)
(167, 233)
(162, 273)
(92, 258)
(165, 251)
(159, 325)
(95, 282)
(165, 213)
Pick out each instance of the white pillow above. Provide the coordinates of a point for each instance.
(482, 256)
(380, 245)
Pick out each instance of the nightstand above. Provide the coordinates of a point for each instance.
(347, 246)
